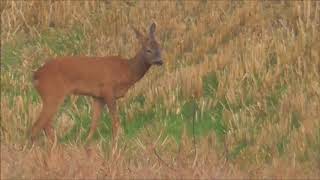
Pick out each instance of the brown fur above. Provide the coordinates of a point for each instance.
(104, 78)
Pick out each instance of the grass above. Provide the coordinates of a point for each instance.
(238, 96)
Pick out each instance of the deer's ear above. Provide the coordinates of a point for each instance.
(138, 34)
(152, 29)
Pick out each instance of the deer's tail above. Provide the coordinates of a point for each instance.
(35, 78)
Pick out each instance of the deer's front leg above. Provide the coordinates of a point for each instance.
(97, 106)
(113, 110)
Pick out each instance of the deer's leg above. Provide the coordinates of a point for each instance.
(112, 106)
(49, 130)
(49, 108)
(97, 106)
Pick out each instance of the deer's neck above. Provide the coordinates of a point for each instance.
(139, 66)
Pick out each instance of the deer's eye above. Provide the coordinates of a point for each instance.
(149, 51)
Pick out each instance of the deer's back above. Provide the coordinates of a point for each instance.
(85, 75)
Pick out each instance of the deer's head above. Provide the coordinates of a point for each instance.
(151, 51)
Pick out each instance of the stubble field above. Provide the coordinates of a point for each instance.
(237, 97)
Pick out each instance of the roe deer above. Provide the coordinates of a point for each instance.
(104, 78)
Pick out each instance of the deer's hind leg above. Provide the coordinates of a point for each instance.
(50, 105)
(49, 108)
